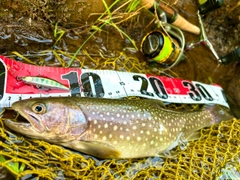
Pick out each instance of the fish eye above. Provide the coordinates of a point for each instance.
(39, 108)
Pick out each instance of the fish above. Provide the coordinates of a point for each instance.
(111, 128)
(42, 82)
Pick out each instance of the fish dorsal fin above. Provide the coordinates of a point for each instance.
(94, 148)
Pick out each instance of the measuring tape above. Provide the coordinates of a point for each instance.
(101, 84)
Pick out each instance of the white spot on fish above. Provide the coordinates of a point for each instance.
(148, 132)
(95, 122)
(128, 138)
(95, 136)
(104, 138)
(106, 125)
(93, 113)
(114, 142)
(115, 128)
(110, 135)
(121, 136)
(134, 127)
(143, 124)
(161, 128)
(89, 118)
(118, 115)
(139, 138)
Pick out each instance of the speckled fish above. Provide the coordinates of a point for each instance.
(43, 82)
(111, 128)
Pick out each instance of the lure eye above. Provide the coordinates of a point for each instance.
(39, 108)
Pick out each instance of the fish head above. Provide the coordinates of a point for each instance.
(51, 119)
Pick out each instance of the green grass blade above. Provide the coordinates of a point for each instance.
(133, 5)
(2, 73)
(107, 9)
(76, 53)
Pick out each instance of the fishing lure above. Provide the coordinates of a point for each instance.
(41, 82)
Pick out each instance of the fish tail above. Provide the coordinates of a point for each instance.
(219, 113)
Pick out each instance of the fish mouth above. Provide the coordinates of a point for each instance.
(22, 127)
(32, 119)
(26, 122)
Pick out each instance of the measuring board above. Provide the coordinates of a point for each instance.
(101, 84)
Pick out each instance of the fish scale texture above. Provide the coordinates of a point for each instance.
(215, 153)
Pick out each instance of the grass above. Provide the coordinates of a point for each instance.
(2, 73)
(107, 18)
(133, 5)
(58, 33)
(14, 166)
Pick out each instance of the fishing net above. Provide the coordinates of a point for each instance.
(215, 154)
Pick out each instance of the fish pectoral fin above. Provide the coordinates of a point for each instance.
(99, 149)
(194, 136)
(168, 154)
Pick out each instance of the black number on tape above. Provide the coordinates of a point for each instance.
(92, 83)
(144, 86)
(158, 88)
(2, 79)
(72, 78)
(194, 94)
(204, 92)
